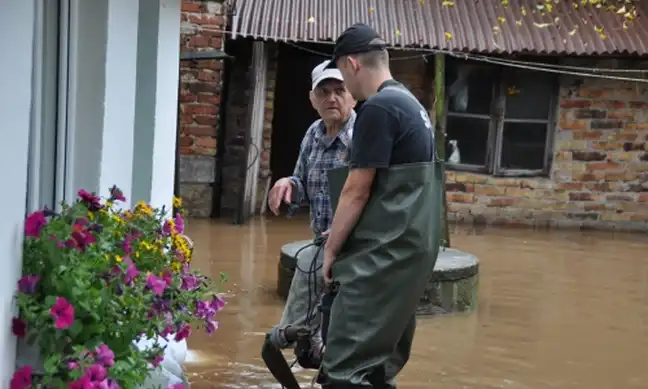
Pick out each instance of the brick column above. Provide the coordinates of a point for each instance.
(200, 103)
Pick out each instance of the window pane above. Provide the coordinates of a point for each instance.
(470, 87)
(529, 94)
(523, 146)
(472, 139)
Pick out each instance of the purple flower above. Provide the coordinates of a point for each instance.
(157, 359)
(18, 327)
(156, 284)
(189, 282)
(179, 224)
(72, 365)
(217, 303)
(90, 200)
(96, 373)
(131, 271)
(63, 313)
(211, 326)
(183, 332)
(166, 228)
(105, 356)
(22, 378)
(82, 383)
(106, 384)
(35, 223)
(167, 277)
(166, 332)
(116, 194)
(176, 386)
(27, 284)
(204, 309)
(82, 236)
(127, 245)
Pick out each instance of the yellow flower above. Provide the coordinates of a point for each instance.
(176, 266)
(142, 208)
(177, 202)
(118, 258)
(91, 216)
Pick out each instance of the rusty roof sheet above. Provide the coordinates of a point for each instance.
(469, 23)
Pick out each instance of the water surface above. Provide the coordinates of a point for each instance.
(557, 309)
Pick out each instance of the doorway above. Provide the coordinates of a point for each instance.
(293, 113)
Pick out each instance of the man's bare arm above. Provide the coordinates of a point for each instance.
(354, 197)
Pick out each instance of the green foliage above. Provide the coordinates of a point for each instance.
(98, 278)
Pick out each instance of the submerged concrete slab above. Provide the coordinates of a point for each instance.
(452, 287)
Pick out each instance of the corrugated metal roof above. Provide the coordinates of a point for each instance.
(424, 23)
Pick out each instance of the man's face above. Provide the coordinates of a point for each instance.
(349, 67)
(332, 100)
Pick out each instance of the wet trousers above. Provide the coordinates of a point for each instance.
(302, 302)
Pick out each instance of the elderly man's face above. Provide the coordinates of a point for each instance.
(332, 100)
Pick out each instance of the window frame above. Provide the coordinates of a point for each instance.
(497, 119)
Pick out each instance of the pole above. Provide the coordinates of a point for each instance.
(440, 103)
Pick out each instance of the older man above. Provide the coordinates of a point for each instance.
(384, 237)
(324, 147)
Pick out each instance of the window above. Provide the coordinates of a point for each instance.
(499, 120)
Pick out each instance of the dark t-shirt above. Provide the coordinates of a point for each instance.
(391, 128)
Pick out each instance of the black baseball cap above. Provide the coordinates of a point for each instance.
(357, 39)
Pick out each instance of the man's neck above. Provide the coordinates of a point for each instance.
(334, 128)
(376, 82)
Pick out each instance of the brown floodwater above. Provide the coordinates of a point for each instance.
(560, 309)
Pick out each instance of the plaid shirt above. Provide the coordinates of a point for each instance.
(315, 159)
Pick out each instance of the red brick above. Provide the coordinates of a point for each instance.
(208, 98)
(501, 202)
(205, 142)
(575, 104)
(191, 7)
(200, 109)
(185, 141)
(199, 131)
(199, 41)
(206, 120)
(602, 166)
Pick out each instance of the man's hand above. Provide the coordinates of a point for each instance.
(329, 258)
(281, 191)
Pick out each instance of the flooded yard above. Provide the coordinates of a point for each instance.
(560, 309)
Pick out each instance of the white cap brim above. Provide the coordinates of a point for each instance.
(327, 74)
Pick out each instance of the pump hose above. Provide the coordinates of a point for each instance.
(319, 241)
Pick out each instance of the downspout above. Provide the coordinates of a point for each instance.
(217, 190)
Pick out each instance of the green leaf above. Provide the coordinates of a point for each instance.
(52, 363)
(76, 329)
(50, 301)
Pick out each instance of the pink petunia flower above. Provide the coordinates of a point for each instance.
(63, 313)
(22, 378)
(35, 223)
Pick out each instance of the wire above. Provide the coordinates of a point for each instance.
(423, 53)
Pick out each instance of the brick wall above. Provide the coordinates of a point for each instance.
(200, 103)
(599, 176)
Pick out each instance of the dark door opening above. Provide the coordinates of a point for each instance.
(293, 112)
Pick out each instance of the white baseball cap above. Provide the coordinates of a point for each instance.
(321, 73)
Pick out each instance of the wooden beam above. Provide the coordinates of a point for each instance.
(439, 132)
